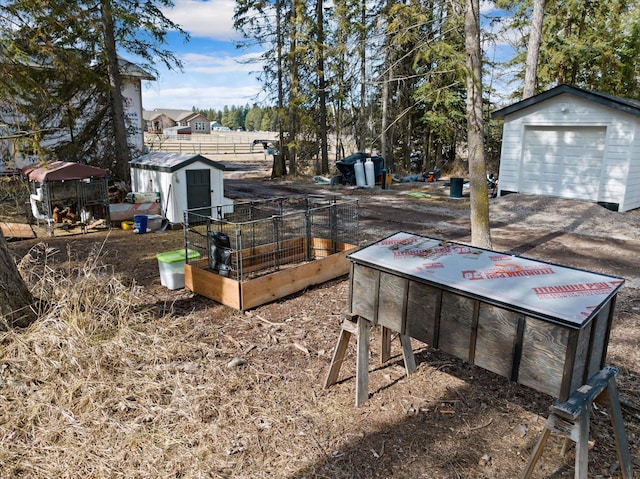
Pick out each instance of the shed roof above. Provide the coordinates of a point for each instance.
(62, 171)
(626, 105)
(170, 162)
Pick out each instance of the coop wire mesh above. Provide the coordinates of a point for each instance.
(252, 238)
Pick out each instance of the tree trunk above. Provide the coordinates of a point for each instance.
(123, 156)
(15, 298)
(533, 51)
(292, 149)
(324, 150)
(279, 168)
(480, 234)
(362, 123)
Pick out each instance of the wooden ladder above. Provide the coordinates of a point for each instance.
(571, 420)
(353, 325)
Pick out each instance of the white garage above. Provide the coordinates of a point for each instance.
(572, 143)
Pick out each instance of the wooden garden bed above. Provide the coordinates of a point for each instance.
(292, 278)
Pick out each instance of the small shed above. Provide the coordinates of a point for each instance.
(184, 181)
(569, 142)
(64, 191)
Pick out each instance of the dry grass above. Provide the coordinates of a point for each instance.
(116, 381)
(102, 387)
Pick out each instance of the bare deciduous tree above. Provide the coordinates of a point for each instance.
(480, 233)
(533, 52)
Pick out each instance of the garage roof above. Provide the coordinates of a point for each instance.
(618, 103)
(170, 162)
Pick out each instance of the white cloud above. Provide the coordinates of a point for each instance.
(207, 19)
(184, 97)
(220, 64)
(215, 74)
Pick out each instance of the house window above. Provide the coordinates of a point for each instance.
(199, 126)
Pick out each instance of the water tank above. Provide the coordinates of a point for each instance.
(359, 169)
(369, 172)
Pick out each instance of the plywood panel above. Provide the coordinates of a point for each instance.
(285, 282)
(579, 375)
(16, 230)
(496, 339)
(600, 333)
(456, 320)
(391, 301)
(423, 307)
(364, 293)
(212, 285)
(544, 351)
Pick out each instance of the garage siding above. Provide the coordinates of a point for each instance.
(571, 147)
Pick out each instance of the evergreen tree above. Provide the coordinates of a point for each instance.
(59, 65)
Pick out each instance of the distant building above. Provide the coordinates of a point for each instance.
(217, 126)
(160, 120)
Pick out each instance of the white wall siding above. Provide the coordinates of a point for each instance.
(173, 187)
(566, 139)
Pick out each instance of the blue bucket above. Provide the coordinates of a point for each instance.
(140, 224)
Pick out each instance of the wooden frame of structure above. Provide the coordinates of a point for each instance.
(250, 293)
(258, 251)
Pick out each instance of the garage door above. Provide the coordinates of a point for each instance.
(563, 161)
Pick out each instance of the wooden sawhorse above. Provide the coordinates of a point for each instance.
(571, 420)
(360, 328)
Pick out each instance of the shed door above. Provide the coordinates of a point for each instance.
(563, 161)
(199, 190)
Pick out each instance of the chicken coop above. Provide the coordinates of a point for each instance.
(254, 252)
(68, 193)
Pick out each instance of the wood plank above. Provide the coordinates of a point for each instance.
(407, 354)
(285, 282)
(580, 373)
(213, 286)
(423, 306)
(339, 353)
(362, 362)
(391, 300)
(17, 230)
(612, 401)
(266, 254)
(321, 247)
(265, 263)
(599, 339)
(456, 318)
(364, 291)
(496, 339)
(544, 348)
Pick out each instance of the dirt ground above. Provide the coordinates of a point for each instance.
(449, 419)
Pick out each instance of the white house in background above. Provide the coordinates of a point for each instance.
(132, 76)
(185, 181)
(12, 153)
(158, 120)
(572, 143)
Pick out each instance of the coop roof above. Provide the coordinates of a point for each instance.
(170, 162)
(61, 171)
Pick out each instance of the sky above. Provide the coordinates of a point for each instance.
(215, 73)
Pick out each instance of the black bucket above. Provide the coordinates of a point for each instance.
(219, 253)
(455, 190)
